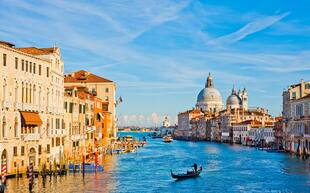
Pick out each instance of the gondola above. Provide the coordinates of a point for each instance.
(189, 174)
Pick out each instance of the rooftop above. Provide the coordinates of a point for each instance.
(84, 76)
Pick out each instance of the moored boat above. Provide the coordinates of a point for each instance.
(188, 174)
(167, 139)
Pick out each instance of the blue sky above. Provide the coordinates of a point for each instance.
(160, 52)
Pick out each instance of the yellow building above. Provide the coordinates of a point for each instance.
(103, 88)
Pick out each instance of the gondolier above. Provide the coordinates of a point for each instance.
(188, 174)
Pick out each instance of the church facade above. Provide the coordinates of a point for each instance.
(211, 120)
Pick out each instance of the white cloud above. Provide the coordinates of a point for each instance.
(250, 28)
(152, 120)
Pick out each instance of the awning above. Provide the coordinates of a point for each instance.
(101, 115)
(31, 118)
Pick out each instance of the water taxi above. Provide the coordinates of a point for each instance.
(167, 139)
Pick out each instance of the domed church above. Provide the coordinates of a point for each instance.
(209, 98)
(237, 100)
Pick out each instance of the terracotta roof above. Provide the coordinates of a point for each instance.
(36, 51)
(83, 94)
(7, 44)
(279, 118)
(84, 76)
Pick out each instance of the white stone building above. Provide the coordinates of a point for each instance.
(209, 98)
(31, 106)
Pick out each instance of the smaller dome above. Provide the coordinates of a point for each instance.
(233, 101)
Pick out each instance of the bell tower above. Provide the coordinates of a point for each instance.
(244, 97)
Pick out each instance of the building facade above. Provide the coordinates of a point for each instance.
(31, 114)
(104, 90)
(296, 115)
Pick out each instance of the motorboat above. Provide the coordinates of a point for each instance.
(167, 139)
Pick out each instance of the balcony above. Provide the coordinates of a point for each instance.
(27, 107)
(50, 109)
(18, 106)
(58, 132)
(6, 104)
(41, 108)
(77, 137)
(31, 137)
(35, 107)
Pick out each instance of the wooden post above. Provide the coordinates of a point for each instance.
(30, 175)
(3, 172)
(83, 165)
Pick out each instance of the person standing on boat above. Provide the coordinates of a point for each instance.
(195, 167)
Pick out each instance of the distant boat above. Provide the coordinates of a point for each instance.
(155, 135)
(118, 151)
(167, 139)
(188, 174)
(91, 167)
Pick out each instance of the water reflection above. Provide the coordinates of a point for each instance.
(225, 169)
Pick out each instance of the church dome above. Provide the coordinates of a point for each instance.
(209, 94)
(209, 98)
(233, 101)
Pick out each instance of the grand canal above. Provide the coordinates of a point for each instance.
(226, 169)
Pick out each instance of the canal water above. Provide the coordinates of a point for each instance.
(226, 168)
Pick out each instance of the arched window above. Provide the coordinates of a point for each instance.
(16, 92)
(39, 98)
(26, 94)
(47, 126)
(30, 94)
(3, 127)
(4, 90)
(23, 93)
(34, 99)
(16, 127)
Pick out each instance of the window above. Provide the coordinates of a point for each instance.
(71, 108)
(105, 107)
(106, 89)
(57, 141)
(26, 66)
(65, 106)
(16, 63)
(34, 68)
(294, 95)
(80, 108)
(23, 65)
(48, 148)
(30, 67)
(39, 69)
(4, 59)
(52, 142)
(84, 109)
(40, 150)
(22, 150)
(47, 72)
(15, 151)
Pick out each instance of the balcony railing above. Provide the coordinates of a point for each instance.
(27, 107)
(31, 137)
(18, 106)
(77, 137)
(57, 132)
(6, 104)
